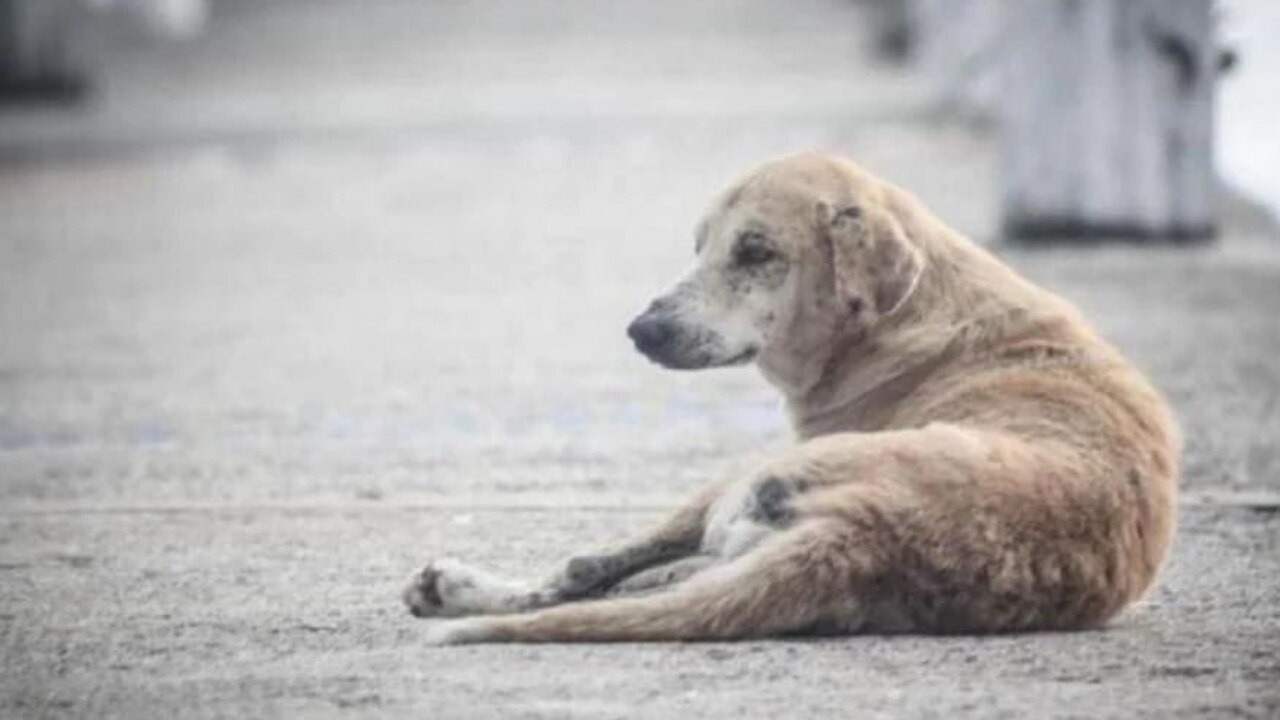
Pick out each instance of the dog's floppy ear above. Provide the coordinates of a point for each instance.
(871, 255)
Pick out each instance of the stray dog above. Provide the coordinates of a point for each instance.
(972, 458)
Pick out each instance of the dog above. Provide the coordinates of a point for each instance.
(972, 457)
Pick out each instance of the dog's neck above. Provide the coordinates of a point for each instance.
(965, 300)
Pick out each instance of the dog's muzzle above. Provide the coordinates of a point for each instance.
(654, 334)
(669, 340)
(663, 338)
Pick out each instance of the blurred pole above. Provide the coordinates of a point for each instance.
(894, 31)
(1107, 114)
(956, 44)
(45, 50)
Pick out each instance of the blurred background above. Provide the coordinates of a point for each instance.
(295, 295)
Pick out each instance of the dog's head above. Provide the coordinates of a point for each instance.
(801, 249)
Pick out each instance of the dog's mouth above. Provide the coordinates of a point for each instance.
(696, 357)
(700, 361)
(743, 357)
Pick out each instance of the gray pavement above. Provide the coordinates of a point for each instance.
(330, 292)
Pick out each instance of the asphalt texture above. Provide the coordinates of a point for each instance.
(340, 287)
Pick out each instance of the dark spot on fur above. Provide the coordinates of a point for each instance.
(773, 500)
(855, 305)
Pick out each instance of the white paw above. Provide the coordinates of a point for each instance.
(449, 588)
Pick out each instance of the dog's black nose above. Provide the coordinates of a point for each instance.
(650, 332)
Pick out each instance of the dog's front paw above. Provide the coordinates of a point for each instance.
(422, 596)
(443, 588)
(449, 588)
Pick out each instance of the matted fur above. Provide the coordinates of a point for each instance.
(972, 457)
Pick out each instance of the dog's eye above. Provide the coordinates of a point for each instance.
(753, 249)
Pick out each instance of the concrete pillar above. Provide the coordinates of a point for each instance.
(45, 51)
(957, 45)
(1107, 118)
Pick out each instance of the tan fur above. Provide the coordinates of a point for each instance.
(972, 456)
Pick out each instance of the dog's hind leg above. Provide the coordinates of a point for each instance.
(450, 588)
(807, 576)
(678, 537)
(664, 576)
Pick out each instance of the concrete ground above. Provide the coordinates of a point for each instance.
(333, 291)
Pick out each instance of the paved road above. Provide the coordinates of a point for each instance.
(327, 293)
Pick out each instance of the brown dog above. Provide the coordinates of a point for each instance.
(972, 457)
